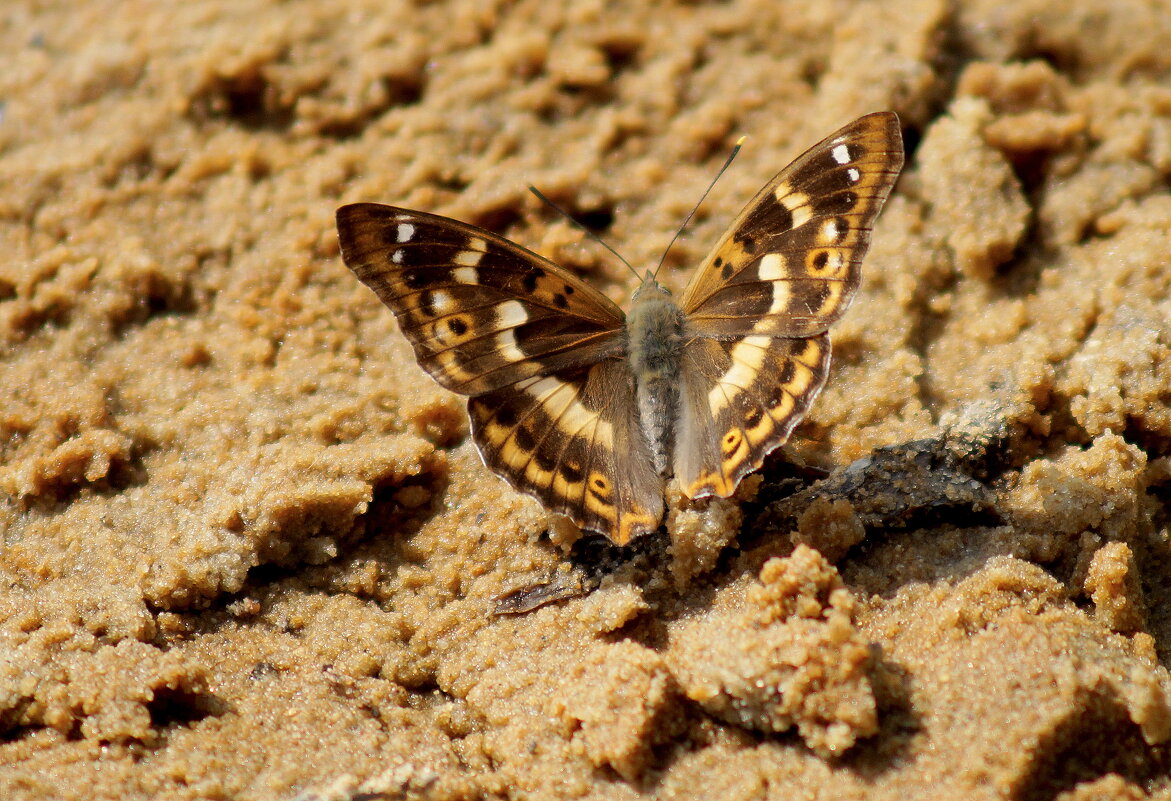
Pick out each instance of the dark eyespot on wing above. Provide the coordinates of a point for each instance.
(571, 471)
(524, 438)
(531, 278)
(752, 416)
(507, 413)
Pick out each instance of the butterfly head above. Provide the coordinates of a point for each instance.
(649, 288)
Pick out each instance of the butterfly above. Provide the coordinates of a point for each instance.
(592, 410)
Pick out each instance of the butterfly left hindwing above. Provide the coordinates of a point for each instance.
(573, 440)
(592, 411)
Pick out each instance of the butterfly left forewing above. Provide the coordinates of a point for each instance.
(481, 312)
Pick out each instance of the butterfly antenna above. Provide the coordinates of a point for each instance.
(702, 198)
(581, 227)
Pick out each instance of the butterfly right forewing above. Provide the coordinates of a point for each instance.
(791, 261)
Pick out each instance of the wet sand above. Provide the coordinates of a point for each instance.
(248, 550)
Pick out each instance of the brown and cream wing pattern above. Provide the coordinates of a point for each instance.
(481, 312)
(758, 309)
(547, 361)
(574, 441)
(740, 400)
(791, 261)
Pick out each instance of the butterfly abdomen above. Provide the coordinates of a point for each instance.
(654, 343)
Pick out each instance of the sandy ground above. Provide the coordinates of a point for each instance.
(248, 551)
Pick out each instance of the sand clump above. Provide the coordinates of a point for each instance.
(247, 550)
(798, 661)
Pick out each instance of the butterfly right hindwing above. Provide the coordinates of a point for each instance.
(740, 399)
